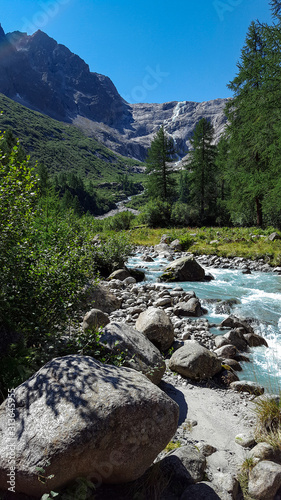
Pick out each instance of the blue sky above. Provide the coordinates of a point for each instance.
(153, 50)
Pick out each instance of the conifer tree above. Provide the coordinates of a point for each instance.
(160, 182)
(254, 117)
(201, 169)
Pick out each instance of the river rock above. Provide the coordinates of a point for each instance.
(254, 340)
(119, 274)
(157, 327)
(176, 245)
(274, 236)
(95, 319)
(245, 440)
(247, 386)
(226, 351)
(264, 451)
(234, 322)
(140, 354)
(193, 460)
(102, 298)
(77, 417)
(184, 269)
(236, 338)
(264, 480)
(190, 308)
(195, 361)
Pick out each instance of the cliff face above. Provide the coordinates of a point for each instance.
(41, 74)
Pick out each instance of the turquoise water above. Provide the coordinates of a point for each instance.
(258, 296)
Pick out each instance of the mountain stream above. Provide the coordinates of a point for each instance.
(256, 296)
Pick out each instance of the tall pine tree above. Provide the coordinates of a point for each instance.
(201, 167)
(253, 130)
(160, 182)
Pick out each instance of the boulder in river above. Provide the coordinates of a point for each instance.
(190, 308)
(183, 269)
(77, 417)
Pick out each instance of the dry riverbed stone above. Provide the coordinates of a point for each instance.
(157, 327)
(137, 350)
(77, 417)
(195, 361)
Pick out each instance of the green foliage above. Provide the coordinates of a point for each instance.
(157, 213)
(172, 445)
(180, 214)
(111, 254)
(121, 221)
(186, 241)
(268, 427)
(65, 148)
(202, 171)
(254, 128)
(46, 258)
(160, 182)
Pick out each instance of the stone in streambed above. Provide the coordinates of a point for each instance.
(247, 386)
(190, 308)
(95, 319)
(184, 269)
(264, 480)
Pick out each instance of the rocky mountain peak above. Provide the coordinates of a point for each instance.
(46, 76)
(2, 33)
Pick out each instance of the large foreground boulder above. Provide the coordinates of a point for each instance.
(184, 269)
(79, 418)
(140, 354)
(195, 361)
(157, 327)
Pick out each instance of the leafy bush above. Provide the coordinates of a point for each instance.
(119, 222)
(157, 213)
(111, 254)
(180, 214)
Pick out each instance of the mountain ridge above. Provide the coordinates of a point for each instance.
(46, 76)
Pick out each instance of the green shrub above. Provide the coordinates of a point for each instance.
(157, 213)
(111, 254)
(119, 222)
(180, 214)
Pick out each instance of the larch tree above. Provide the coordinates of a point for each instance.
(160, 182)
(253, 123)
(201, 168)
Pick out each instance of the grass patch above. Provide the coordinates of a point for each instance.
(250, 243)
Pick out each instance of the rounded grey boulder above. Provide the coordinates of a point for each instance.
(79, 418)
(195, 361)
(157, 327)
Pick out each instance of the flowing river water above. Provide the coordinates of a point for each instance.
(256, 296)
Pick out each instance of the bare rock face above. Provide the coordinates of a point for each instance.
(79, 418)
(46, 76)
